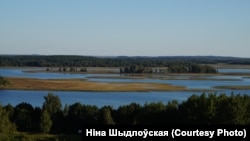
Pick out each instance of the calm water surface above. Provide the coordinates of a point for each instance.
(115, 99)
(234, 70)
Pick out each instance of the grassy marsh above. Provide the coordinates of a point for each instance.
(82, 85)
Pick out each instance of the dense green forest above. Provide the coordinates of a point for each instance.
(119, 61)
(177, 64)
(53, 117)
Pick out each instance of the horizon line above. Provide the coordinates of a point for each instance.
(122, 55)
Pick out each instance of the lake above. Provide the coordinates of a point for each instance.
(116, 99)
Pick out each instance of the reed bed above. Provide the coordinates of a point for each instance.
(83, 85)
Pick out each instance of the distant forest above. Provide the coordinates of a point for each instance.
(119, 61)
(172, 64)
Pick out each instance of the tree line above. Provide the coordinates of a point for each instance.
(171, 68)
(52, 117)
(119, 61)
(126, 64)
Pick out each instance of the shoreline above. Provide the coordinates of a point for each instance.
(116, 70)
(75, 84)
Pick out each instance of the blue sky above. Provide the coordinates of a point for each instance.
(125, 27)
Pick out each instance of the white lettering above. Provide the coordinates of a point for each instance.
(224, 132)
(178, 132)
(112, 132)
(93, 132)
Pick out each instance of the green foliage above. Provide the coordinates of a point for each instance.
(128, 114)
(11, 111)
(233, 110)
(79, 115)
(52, 105)
(198, 109)
(153, 113)
(171, 68)
(46, 122)
(204, 109)
(23, 116)
(105, 116)
(216, 109)
(6, 127)
(141, 63)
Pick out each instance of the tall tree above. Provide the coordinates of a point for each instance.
(52, 104)
(127, 114)
(45, 123)
(6, 127)
(106, 117)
